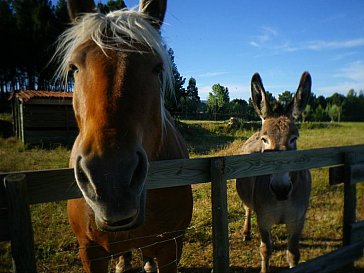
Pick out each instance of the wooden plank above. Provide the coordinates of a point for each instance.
(49, 116)
(357, 232)
(48, 186)
(62, 136)
(21, 232)
(55, 185)
(220, 233)
(267, 163)
(57, 119)
(332, 261)
(50, 101)
(337, 174)
(169, 173)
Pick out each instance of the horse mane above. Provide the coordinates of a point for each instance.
(112, 31)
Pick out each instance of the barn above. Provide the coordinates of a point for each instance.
(44, 117)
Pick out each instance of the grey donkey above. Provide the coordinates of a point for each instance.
(280, 198)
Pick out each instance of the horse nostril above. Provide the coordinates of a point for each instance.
(140, 172)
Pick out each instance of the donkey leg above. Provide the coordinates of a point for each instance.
(124, 263)
(149, 265)
(265, 249)
(247, 224)
(294, 235)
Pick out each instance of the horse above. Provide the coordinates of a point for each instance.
(122, 72)
(281, 198)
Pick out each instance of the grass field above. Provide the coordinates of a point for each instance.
(56, 247)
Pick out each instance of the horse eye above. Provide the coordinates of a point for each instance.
(158, 69)
(265, 140)
(72, 69)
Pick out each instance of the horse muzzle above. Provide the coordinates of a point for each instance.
(116, 221)
(114, 188)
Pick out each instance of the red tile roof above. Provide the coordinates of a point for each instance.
(27, 95)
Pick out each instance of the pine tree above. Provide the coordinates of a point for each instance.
(193, 99)
(174, 102)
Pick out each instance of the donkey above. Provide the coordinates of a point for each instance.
(280, 198)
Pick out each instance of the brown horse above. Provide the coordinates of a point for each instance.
(280, 198)
(121, 70)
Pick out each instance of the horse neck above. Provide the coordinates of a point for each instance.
(173, 146)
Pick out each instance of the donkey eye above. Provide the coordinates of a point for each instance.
(265, 140)
(292, 140)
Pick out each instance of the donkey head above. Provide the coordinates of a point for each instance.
(278, 131)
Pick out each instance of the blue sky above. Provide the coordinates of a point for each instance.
(227, 41)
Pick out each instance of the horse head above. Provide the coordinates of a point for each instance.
(121, 70)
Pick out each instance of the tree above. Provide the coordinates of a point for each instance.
(334, 112)
(352, 107)
(8, 54)
(218, 99)
(111, 5)
(321, 101)
(306, 112)
(319, 114)
(193, 99)
(336, 98)
(285, 98)
(272, 100)
(173, 102)
(251, 111)
(238, 107)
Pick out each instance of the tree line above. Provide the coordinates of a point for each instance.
(30, 28)
(336, 107)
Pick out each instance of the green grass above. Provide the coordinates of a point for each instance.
(56, 247)
(14, 156)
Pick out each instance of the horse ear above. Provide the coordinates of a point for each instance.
(259, 97)
(78, 7)
(300, 100)
(155, 9)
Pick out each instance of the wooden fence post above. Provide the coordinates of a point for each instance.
(220, 232)
(349, 216)
(21, 231)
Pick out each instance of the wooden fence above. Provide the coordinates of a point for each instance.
(21, 189)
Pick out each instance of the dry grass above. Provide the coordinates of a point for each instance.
(56, 247)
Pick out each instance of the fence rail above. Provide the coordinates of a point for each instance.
(346, 167)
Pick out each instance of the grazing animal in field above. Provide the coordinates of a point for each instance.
(280, 198)
(121, 71)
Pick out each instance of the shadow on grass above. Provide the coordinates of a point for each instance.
(202, 140)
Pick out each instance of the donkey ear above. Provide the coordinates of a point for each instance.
(78, 7)
(155, 9)
(259, 97)
(300, 100)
